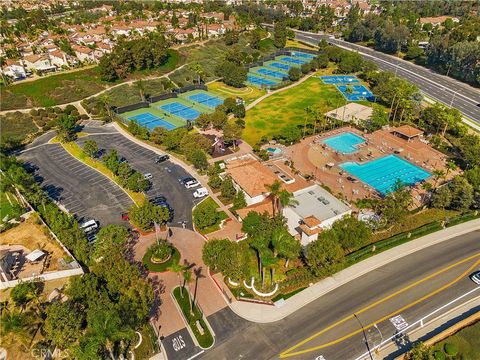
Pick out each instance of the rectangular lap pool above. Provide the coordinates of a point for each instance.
(345, 143)
(383, 173)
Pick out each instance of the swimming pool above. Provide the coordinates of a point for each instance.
(344, 143)
(383, 173)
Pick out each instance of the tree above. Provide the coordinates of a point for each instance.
(255, 38)
(215, 181)
(351, 233)
(285, 245)
(90, 148)
(351, 62)
(420, 351)
(279, 34)
(227, 189)
(199, 159)
(378, 119)
(140, 85)
(205, 214)
(197, 68)
(306, 68)
(232, 132)
(17, 325)
(322, 61)
(324, 255)
(146, 214)
(239, 111)
(394, 206)
(106, 68)
(233, 74)
(218, 119)
(203, 121)
(136, 182)
(112, 161)
(24, 292)
(231, 37)
(294, 74)
(274, 191)
(67, 125)
(285, 199)
(239, 201)
(63, 323)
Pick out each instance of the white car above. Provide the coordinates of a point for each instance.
(147, 176)
(89, 226)
(191, 184)
(475, 277)
(201, 192)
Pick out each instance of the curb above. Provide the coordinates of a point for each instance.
(332, 282)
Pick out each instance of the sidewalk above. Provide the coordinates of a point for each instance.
(265, 314)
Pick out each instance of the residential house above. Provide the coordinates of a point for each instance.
(317, 209)
(437, 21)
(84, 53)
(14, 69)
(39, 63)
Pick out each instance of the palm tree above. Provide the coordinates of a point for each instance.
(177, 268)
(198, 275)
(284, 245)
(187, 277)
(18, 325)
(106, 328)
(451, 166)
(274, 190)
(106, 100)
(286, 198)
(259, 244)
(437, 175)
(428, 188)
(308, 113)
(140, 85)
(197, 69)
(268, 262)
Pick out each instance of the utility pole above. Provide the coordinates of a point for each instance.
(364, 336)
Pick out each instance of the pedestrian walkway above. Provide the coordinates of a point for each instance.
(265, 314)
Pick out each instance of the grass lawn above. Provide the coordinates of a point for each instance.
(205, 340)
(467, 341)
(286, 109)
(17, 125)
(294, 43)
(174, 259)
(70, 86)
(247, 93)
(76, 151)
(147, 348)
(9, 206)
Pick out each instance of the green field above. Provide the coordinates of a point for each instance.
(68, 87)
(8, 208)
(286, 109)
(467, 341)
(247, 93)
(17, 125)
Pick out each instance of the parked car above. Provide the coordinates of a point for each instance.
(186, 179)
(147, 176)
(122, 160)
(161, 158)
(475, 277)
(89, 226)
(125, 216)
(201, 192)
(191, 184)
(157, 200)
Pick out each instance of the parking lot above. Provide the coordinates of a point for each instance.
(83, 191)
(165, 175)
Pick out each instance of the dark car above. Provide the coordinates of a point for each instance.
(161, 158)
(185, 179)
(122, 160)
(158, 200)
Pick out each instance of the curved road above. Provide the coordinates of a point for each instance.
(393, 296)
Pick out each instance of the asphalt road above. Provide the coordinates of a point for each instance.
(410, 287)
(84, 192)
(165, 175)
(439, 87)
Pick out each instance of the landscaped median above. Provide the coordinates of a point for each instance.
(206, 216)
(194, 318)
(76, 151)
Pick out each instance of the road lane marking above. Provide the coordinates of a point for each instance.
(289, 353)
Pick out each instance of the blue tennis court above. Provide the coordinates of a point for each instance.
(151, 121)
(180, 110)
(279, 66)
(302, 55)
(206, 99)
(356, 93)
(260, 81)
(339, 79)
(383, 173)
(272, 73)
(292, 60)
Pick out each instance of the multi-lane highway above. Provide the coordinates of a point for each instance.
(387, 301)
(438, 87)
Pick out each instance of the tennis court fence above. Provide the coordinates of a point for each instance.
(126, 108)
(166, 96)
(190, 88)
(287, 51)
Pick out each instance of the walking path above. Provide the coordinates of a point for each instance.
(265, 314)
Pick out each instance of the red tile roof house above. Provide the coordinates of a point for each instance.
(182, 34)
(84, 53)
(39, 63)
(60, 59)
(316, 210)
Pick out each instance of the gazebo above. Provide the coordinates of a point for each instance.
(407, 132)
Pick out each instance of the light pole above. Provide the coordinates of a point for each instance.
(453, 98)
(364, 336)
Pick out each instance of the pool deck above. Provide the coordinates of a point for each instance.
(311, 157)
